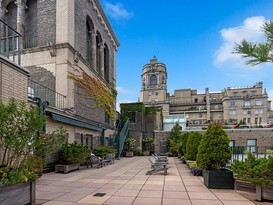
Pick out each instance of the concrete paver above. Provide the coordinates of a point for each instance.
(125, 183)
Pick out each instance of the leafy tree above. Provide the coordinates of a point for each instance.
(22, 149)
(183, 149)
(192, 145)
(257, 53)
(175, 139)
(214, 151)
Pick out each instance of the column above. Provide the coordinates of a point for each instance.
(93, 49)
(20, 18)
(101, 59)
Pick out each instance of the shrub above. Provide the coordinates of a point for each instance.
(138, 153)
(193, 143)
(214, 151)
(193, 165)
(130, 142)
(101, 151)
(174, 140)
(184, 140)
(258, 171)
(73, 153)
(147, 142)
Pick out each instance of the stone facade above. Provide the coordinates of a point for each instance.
(66, 36)
(230, 106)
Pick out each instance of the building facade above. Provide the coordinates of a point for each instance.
(248, 105)
(59, 37)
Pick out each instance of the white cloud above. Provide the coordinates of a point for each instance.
(117, 11)
(125, 91)
(251, 30)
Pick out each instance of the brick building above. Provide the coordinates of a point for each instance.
(60, 37)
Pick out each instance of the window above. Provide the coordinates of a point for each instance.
(153, 80)
(232, 143)
(200, 115)
(251, 145)
(248, 120)
(216, 107)
(232, 112)
(247, 103)
(244, 120)
(256, 120)
(156, 93)
(244, 112)
(256, 112)
(259, 102)
(196, 100)
(253, 93)
(260, 120)
(232, 104)
(234, 94)
(150, 93)
(261, 111)
(89, 141)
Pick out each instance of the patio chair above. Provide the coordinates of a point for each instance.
(160, 158)
(93, 160)
(157, 166)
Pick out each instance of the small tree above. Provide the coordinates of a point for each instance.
(130, 142)
(192, 145)
(174, 139)
(214, 151)
(183, 149)
(22, 149)
(148, 141)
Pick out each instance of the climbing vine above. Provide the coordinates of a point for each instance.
(94, 89)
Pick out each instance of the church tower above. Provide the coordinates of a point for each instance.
(154, 82)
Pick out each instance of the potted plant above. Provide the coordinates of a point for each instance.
(147, 142)
(70, 157)
(256, 175)
(23, 149)
(195, 170)
(213, 154)
(130, 142)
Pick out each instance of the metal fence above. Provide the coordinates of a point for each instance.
(10, 42)
(54, 98)
(37, 41)
(240, 153)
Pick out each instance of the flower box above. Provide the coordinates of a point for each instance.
(13, 194)
(218, 179)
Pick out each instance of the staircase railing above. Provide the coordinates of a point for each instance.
(121, 136)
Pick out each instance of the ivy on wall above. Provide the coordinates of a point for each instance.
(94, 89)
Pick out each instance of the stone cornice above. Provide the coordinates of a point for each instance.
(105, 23)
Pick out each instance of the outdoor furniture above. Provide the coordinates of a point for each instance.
(160, 158)
(108, 159)
(93, 160)
(157, 166)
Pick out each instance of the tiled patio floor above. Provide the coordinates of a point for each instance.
(125, 183)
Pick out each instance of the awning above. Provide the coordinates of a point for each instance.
(71, 121)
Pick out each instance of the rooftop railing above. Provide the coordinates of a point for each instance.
(10, 42)
(54, 98)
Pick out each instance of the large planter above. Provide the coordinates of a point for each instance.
(244, 186)
(218, 179)
(20, 194)
(66, 168)
(146, 153)
(129, 154)
(264, 193)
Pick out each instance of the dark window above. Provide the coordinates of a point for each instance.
(132, 117)
(153, 80)
(196, 100)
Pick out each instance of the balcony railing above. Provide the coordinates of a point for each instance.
(54, 99)
(37, 41)
(10, 42)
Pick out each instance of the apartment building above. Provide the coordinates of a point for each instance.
(249, 105)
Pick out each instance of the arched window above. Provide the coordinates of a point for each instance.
(31, 38)
(98, 57)
(153, 80)
(106, 62)
(89, 29)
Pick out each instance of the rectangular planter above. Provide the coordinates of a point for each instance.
(264, 193)
(218, 179)
(20, 194)
(244, 186)
(129, 154)
(66, 168)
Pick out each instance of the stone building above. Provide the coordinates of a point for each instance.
(230, 106)
(59, 37)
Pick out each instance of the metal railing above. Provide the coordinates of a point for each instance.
(10, 42)
(240, 152)
(54, 98)
(121, 136)
(37, 41)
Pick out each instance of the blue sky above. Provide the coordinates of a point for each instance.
(194, 38)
